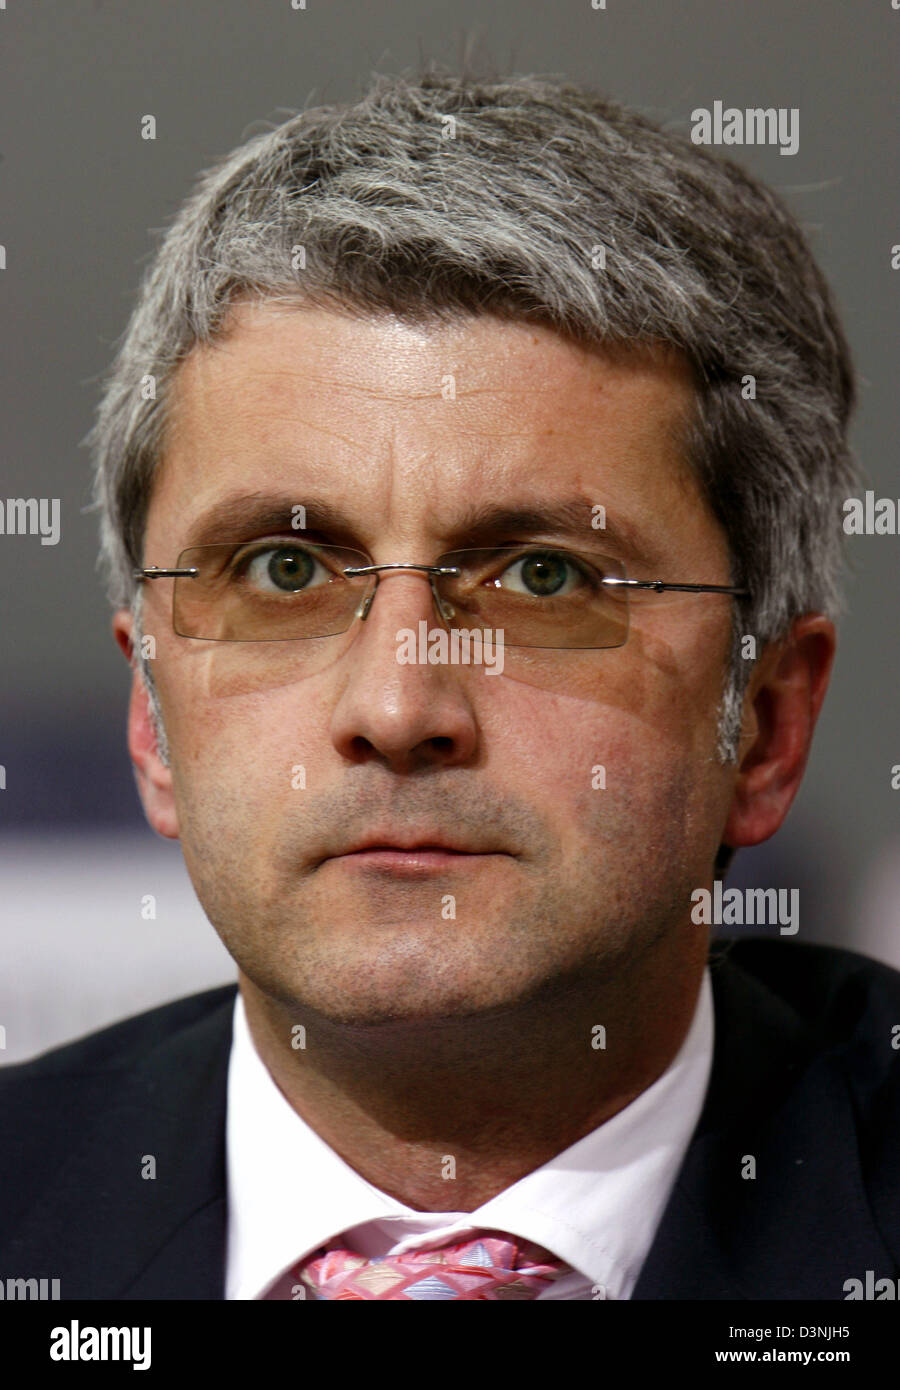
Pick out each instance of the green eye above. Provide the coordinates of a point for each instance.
(543, 574)
(284, 569)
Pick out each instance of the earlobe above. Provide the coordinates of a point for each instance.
(781, 707)
(154, 779)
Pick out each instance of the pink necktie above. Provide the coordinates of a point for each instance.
(492, 1265)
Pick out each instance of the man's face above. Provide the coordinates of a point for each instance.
(566, 878)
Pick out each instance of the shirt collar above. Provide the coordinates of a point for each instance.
(596, 1205)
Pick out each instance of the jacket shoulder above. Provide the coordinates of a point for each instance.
(805, 1081)
(77, 1117)
(838, 995)
(120, 1046)
(826, 1007)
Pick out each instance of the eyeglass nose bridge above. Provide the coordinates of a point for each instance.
(445, 609)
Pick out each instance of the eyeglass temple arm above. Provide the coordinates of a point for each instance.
(658, 586)
(154, 572)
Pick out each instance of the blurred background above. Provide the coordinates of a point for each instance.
(83, 199)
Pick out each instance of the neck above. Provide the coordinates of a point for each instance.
(444, 1114)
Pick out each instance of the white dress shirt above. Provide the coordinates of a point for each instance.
(597, 1205)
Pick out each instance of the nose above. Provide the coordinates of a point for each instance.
(409, 715)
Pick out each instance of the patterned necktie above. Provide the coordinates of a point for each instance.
(492, 1265)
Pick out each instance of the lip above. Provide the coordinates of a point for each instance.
(397, 841)
(420, 859)
(421, 854)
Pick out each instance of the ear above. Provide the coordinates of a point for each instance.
(154, 779)
(781, 707)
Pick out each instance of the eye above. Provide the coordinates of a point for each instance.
(280, 569)
(545, 574)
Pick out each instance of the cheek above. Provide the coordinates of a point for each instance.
(583, 760)
(622, 764)
(685, 645)
(631, 708)
(239, 762)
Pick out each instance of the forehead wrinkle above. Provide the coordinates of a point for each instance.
(535, 383)
(353, 443)
(352, 388)
(309, 374)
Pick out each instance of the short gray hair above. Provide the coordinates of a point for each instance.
(443, 197)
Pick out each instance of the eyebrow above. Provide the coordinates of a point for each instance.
(247, 516)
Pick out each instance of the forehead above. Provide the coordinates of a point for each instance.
(409, 423)
(286, 355)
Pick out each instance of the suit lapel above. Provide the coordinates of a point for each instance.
(802, 1225)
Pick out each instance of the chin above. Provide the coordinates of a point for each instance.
(367, 997)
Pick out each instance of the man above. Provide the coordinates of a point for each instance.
(501, 362)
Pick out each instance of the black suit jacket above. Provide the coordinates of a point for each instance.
(805, 1081)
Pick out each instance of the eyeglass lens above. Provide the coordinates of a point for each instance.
(279, 590)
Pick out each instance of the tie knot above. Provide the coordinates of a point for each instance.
(489, 1265)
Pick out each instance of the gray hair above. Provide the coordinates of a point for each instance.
(445, 197)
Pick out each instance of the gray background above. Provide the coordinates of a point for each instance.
(83, 196)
